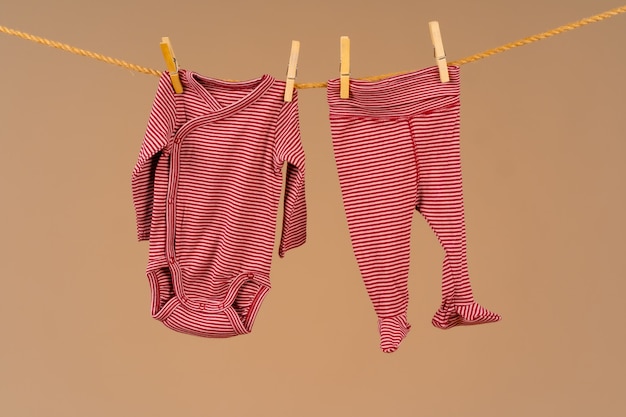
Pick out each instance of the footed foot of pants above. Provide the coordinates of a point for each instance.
(392, 331)
(450, 315)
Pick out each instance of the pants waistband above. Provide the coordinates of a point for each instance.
(401, 95)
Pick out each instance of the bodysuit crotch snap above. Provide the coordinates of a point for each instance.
(216, 317)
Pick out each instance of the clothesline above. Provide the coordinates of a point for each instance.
(490, 52)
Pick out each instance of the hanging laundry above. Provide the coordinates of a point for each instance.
(206, 189)
(396, 146)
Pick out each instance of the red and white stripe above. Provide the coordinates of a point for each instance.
(396, 145)
(206, 189)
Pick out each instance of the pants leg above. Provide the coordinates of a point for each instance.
(376, 166)
(440, 201)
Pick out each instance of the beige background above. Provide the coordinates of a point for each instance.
(543, 157)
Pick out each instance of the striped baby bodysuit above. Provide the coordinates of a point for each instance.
(206, 190)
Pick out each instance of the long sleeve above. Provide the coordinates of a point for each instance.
(158, 132)
(288, 148)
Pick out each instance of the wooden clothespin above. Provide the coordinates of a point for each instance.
(440, 55)
(171, 63)
(292, 70)
(344, 70)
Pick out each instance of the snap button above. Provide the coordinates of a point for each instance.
(170, 201)
(171, 259)
(250, 275)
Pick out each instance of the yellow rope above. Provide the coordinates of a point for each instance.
(540, 36)
(144, 70)
(78, 51)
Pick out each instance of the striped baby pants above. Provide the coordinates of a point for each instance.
(396, 145)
